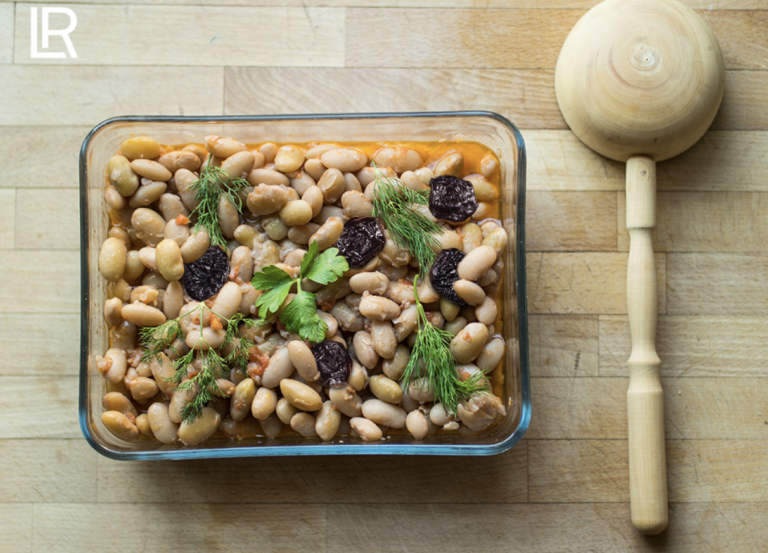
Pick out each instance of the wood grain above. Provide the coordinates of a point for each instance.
(692, 346)
(16, 530)
(717, 283)
(21, 294)
(43, 344)
(478, 4)
(563, 471)
(91, 95)
(47, 219)
(6, 33)
(49, 156)
(38, 407)
(519, 39)
(7, 218)
(583, 283)
(557, 160)
(496, 479)
(48, 471)
(541, 528)
(201, 36)
(742, 37)
(563, 345)
(704, 222)
(166, 527)
(696, 408)
(525, 97)
(745, 92)
(570, 221)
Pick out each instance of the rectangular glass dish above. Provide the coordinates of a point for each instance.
(489, 129)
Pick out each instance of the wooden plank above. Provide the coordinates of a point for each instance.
(166, 527)
(7, 218)
(695, 408)
(583, 283)
(542, 528)
(48, 471)
(16, 530)
(717, 284)
(704, 222)
(44, 148)
(692, 346)
(508, 4)
(526, 97)
(741, 36)
(563, 471)
(557, 160)
(47, 219)
(38, 407)
(570, 221)
(563, 345)
(201, 36)
(6, 33)
(519, 39)
(496, 479)
(746, 92)
(91, 95)
(21, 292)
(42, 344)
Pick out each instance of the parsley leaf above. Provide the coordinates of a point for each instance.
(327, 268)
(309, 258)
(300, 316)
(276, 284)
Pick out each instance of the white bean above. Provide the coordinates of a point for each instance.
(344, 159)
(300, 395)
(491, 355)
(346, 400)
(304, 424)
(201, 428)
(417, 425)
(112, 259)
(383, 339)
(302, 358)
(227, 301)
(384, 413)
(469, 342)
(279, 367)
(487, 311)
(285, 411)
(386, 389)
(328, 421)
(362, 344)
(120, 425)
(367, 430)
(469, 292)
(264, 403)
(163, 428)
(477, 262)
(373, 283)
(378, 309)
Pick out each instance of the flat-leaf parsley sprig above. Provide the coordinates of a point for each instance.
(300, 315)
(393, 203)
(214, 366)
(213, 182)
(432, 350)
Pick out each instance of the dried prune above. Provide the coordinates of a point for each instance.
(451, 198)
(204, 277)
(361, 240)
(333, 362)
(445, 272)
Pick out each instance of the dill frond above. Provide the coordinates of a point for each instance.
(431, 358)
(214, 182)
(393, 204)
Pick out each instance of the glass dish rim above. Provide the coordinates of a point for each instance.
(371, 448)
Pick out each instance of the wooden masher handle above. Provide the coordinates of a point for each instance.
(645, 397)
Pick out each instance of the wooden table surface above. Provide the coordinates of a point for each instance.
(564, 487)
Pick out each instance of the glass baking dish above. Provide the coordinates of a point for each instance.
(487, 128)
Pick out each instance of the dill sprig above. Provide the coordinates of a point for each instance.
(393, 203)
(432, 349)
(212, 183)
(214, 366)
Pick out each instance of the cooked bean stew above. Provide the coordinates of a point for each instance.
(193, 352)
